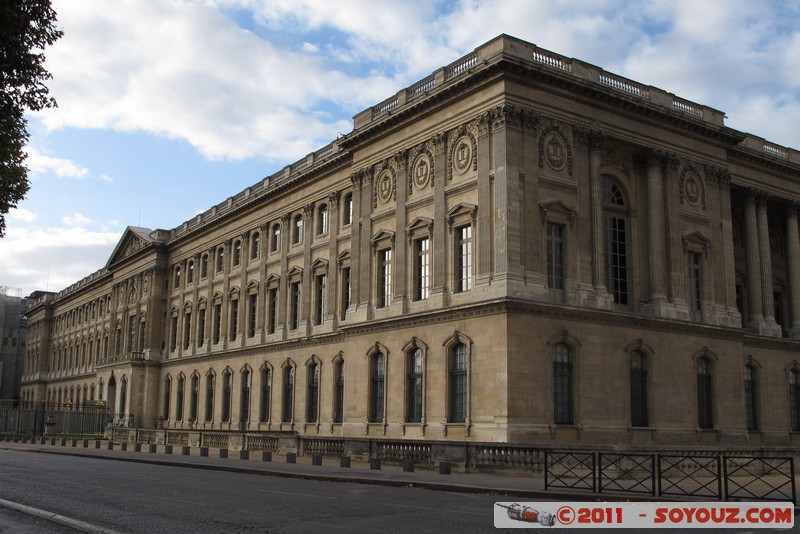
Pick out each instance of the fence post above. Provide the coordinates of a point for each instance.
(656, 477)
(722, 470)
(595, 471)
(546, 469)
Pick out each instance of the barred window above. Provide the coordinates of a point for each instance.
(562, 384)
(555, 256)
(638, 390)
(244, 396)
(227, 387)
(377, 384)
(705, 406)
(338, 398)
(458, 384)
(288, 394)
(312, 406)
(414, 387)
(180, 398)
(616, 240)
(266, 395)
(193, 393)
(209, 397)
(750, 397)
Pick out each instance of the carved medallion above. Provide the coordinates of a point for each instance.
(692, 190)
(385, 187)
(462, 155)
(422, 171)
(555, 151)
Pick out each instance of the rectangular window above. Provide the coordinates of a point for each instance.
(562, 385)
(234, 319)
(384, 277)
(617, 259)
(131, 333)
(695, 293)
(555, 256)
(251, 314)
(272, 318)
(141, 339)
(422, 266)
(463, 256)
(346, 291)
(294, 305)
(319, 299)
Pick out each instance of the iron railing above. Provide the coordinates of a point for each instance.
(703, 476)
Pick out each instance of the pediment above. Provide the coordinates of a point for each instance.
(133, 240)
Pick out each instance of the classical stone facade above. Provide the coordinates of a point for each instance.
(519, 248)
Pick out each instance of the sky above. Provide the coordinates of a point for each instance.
(168, 107)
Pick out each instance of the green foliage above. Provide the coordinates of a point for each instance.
(26, 28)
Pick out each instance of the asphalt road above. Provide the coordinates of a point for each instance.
(139, 498)
(127, 497)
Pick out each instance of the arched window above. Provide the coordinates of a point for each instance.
(794, 399)
(750, 397)
(312, 406)
(616, 240)
(377, 392)
(266, 394)
(458, 383)
(190, 272)
(347, 209)
(705, 406)
(123, 396)
(562, 384)
(322, 219)
(220, 260)
(210, 396)
(177, 280)
(275, 238)
(297, 229)
(167, 398)
(414, 389)
(237, 253)
(204, 266)
(638, 390)
(338, 394)
(255, 245)
(179, 398)
(244, 410)
(193, 396)
(227, 387)
(288, 394)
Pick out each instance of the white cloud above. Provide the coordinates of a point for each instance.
(76, 220)
(21, 214)
(186, 70)
(106, 178)
(38, 163)
(52, 258)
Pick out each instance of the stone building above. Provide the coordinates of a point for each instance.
(12, 345)
(521, 247)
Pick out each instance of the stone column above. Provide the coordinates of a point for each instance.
(655, 201)
(334, 220)
(793, 266)
(603, 298)
(766, 261)
(755, 305)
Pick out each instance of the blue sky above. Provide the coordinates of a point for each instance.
(167, 107)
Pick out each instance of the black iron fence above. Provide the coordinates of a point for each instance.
(705, 476)
(43, 419)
